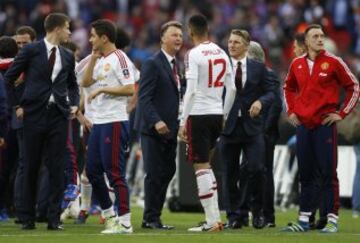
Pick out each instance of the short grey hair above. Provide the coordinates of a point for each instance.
(256, 52)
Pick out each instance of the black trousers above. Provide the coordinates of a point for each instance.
(19, 201)
(46, 137)
(8, 163)
(254, 152)
(159, 156)
(43, 184)
(269, 189)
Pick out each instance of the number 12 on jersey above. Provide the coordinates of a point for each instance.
(218, 80)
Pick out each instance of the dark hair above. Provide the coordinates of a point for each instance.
(243, 34)
(105, 27)
(300, 38)
(198, 25)
(23, 30)
(166, 26)
(313, 26)
(54, 20)
(8, 47)
(69, 45)
(122, 38)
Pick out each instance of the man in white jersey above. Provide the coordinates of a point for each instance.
(208, 68)
(109, 71)
(122, 41)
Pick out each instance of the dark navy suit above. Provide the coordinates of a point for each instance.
(158, 101)
(246, 134)
(3, 132)
(271, 116)
(3, 108)
(45, 124)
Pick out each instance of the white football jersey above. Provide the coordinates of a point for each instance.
(79, 71)
(208, 68)
(110, 71)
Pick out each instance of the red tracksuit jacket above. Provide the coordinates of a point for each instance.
(312, 96)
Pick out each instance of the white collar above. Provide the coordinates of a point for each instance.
(243, 61)
(168, 57)
(49, 46)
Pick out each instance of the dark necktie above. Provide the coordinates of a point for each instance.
(52, 58)
(238, 77)
(175, 73)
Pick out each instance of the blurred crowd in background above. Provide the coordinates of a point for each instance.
(272, 23)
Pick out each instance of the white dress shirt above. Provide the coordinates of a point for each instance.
(243, 69)
(57, 64)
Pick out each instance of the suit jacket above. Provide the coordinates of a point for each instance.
(3, 108)
(158, 97)
(258, 86)
(33, 61)
(272, 114)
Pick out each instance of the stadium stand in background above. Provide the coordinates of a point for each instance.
(272, 23)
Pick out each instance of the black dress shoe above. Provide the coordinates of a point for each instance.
(28, 225)
(18, 221)
(156, 225)
(52, 226)
(41, 219)
(270, 225)
(258, 222)
(244, 221)
(233, 224)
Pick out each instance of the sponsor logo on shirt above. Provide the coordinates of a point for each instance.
(126, 73)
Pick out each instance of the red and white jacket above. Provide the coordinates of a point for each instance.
(5, 63)
(312, 96)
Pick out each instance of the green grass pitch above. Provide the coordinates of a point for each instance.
(90, 232)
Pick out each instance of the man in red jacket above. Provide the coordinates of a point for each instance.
(312, 88)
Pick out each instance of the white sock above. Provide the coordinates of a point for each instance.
(108, 213)
(125, 219)
(215, 197)
(333, 218)
(304, 216)
(205, 192)
(86, 191)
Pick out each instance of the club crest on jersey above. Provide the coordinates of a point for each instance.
(126, 73)
(324, 66)
(107, 67)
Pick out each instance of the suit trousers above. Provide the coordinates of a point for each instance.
(159, 156)
(44, 138)
(253, 148)
(269, 189)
